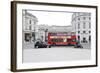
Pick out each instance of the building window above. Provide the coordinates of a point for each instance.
(78, 38)
(30, 22)
(84, 25)
(78, 31)
(89, 31)
(27, 37)
(78, 25)
(89, 38)
(84, 40)
(78, 18)
(30, 27)
(25, 28)
(89, 25)
(84, 18)
(75, 26)
(89, 18)
(33, 35)
(84, 31)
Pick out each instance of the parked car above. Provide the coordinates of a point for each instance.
(40, 44)
(78, 45)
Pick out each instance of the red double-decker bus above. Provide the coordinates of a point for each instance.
(61, 38)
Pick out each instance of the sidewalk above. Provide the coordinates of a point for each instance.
(55, 54)
(86, 45)
(28, 45)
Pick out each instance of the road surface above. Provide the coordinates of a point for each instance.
(55, 54)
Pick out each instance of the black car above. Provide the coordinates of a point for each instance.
(40, 44)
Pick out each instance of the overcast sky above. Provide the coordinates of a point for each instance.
(53, 18)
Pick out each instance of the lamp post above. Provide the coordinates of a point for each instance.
(34, 31)
(46, 35)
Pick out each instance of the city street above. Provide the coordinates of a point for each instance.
(31, 46)
(61, 53)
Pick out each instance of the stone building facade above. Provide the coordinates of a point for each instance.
(81, 25)
(29, 24)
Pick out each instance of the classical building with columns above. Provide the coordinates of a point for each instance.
(81, 25)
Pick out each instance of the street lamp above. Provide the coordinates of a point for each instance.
(46, 35)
